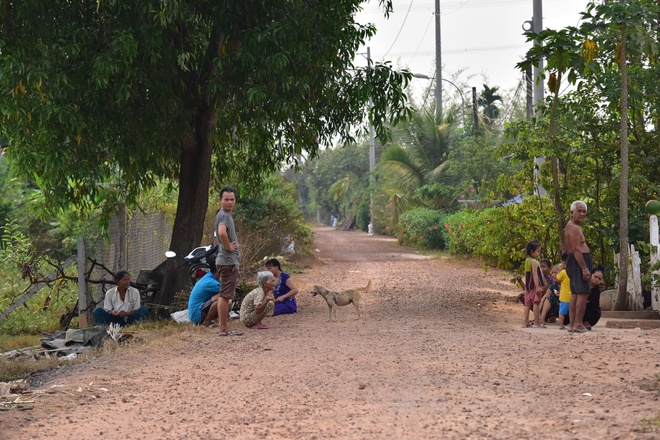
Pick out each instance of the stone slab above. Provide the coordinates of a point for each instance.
(632, 324)
(644, 314)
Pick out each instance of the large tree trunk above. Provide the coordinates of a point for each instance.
(194, 180)
(621, 298)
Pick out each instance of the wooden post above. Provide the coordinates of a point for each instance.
(82, 285)
(655, 257)
(635, 281)
(122, 257)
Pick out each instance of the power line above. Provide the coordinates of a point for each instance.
(465, 50)
(400, 29)
(428, 24)
(424, 6)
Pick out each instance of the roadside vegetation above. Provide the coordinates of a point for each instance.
(463, 182)
(470, 188)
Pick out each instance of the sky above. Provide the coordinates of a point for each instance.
(481, 39)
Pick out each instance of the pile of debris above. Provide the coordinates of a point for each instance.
(64, 345)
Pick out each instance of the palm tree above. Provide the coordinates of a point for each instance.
(417, 159)
(487, 100)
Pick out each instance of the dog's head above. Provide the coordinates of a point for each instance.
(319, 290)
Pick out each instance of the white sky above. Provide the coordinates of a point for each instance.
(484, 38)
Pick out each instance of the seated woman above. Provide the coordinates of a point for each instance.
(592, 313)
(259, 302)
(285, 289)
(121, 304)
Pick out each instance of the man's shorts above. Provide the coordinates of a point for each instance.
(532, 297)
(205, 309)
(228, 278)
(574, 272)
(563, 308)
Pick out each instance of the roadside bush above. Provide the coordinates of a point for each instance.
(18, 263)
(498, 235)
(268, 222)
(421, 227)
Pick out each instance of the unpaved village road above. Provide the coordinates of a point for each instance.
(439, 354)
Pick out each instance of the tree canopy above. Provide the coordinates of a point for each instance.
(104, 98)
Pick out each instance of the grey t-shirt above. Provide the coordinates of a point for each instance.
(226, 258)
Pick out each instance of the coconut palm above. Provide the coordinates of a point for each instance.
(417, 159)
(487, 99)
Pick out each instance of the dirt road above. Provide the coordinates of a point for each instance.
(438, 354)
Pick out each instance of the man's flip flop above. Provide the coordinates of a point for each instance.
(231, 333)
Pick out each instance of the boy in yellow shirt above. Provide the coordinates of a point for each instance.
(564, 291)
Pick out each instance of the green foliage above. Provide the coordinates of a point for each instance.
(418, 157)
(487, 100)
(18, 264)
(268, 221)
(117, 87)
(499, 235)
(421, 227)
(337, 182)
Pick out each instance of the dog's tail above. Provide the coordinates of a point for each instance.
(366, 288)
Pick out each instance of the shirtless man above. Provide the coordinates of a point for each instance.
(578, 266)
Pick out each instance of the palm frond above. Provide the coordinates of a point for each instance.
(398, 166)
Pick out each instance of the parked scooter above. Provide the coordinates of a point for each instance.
(199, 261)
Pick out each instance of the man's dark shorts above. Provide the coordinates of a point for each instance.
(205, 309)
(228, 278)
(574, 272)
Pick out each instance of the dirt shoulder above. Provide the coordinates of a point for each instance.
(438, 353)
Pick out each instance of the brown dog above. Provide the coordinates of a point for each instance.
(341, 298)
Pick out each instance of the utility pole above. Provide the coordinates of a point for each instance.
(438, 64)
(475, 108)
(537, 23)
(372, 151)
(529, 81)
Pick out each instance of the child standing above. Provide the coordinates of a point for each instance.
(534, 282)
(550, 301)
(564, 291)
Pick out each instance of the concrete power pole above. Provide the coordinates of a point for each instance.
(438, 63)
(537, 23)
(372, 152)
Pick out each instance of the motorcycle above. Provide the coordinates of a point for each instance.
(199, 261)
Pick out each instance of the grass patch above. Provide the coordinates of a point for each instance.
(8, 342)
(165, 332)
(22, 368)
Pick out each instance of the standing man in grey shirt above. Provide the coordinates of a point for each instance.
(228, 258)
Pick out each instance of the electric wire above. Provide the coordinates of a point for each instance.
(428, 24)
(400, 29)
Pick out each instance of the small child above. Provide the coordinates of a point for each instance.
(534, 284)
(550, 301)
(564, 291)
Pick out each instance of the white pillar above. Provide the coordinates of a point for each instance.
(655, 257)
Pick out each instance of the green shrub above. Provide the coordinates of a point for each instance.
(498, 235)
(42, 312)
(267, 223)
(421, 227)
